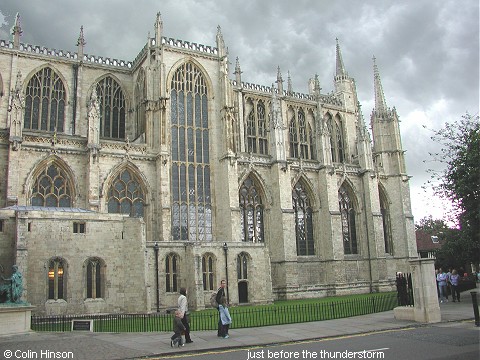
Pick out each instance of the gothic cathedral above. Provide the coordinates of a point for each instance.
(123, 181)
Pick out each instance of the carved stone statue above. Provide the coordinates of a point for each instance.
(11, 292)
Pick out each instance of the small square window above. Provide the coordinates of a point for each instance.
(79, 227)
(1, 225)
(434, 239)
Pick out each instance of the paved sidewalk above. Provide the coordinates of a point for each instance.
(110, 346)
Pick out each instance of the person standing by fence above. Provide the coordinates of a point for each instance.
(454, 280)
(442, 285)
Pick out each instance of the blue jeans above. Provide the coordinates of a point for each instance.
(443, 292)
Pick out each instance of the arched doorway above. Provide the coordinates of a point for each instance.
(243, 292)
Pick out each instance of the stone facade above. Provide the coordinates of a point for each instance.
(125, 181)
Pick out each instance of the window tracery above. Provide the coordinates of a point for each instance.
(45, 102)
(94, 278)
(256, 128)
(52, 188)
(56, 279)
(208, 271)
(251, 211)
(112, 108)
(191, 199)
(303, 220)
(300, 135)
(337, 145)
(126, 195)
(347, 213)
(171, 273)
(242, 266)
(386, 222)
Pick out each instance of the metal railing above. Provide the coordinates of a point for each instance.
(243, 317)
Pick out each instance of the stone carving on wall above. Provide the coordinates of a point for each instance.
(16, 104)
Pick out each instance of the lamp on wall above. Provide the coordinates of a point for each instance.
(225, 250)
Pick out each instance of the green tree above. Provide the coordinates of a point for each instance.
(459, 182)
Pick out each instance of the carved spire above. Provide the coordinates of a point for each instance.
(158, 29)
(222, 51)
(279, 82)
(340, 73)
(316, 86)
(16, 32)
(238, 73)
(289, 84)
(380, 103)
(80, 44)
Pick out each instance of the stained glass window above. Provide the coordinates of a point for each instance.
(45, 102)
(251, 210)
(347, 213)
(52, 188)
(112, 108)
(303, 221)
(191, 201)
(125, 195)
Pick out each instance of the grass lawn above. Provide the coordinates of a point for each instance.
(280, 312)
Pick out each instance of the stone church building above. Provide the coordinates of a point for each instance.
(122, 181)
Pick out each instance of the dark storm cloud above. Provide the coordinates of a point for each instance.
(427, 51)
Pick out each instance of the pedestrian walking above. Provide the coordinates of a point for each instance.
(224, 317)
(178, 327)
(183, 308)
(220, 294)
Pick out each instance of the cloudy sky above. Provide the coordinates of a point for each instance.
(427, 51)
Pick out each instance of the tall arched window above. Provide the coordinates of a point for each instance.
(347, 213)
(56, 279)
(251, 212)
(94, 278)
(52, 188)
(45, 102)
(303, 220)
(140, 99)
(126, 195)
(300, 136)
(257, 141)
(208, 271)
(242, 266)
(337, 145)
(293, 137)
(112, 108)
(387, 225)
(171, 273)
(191, 201)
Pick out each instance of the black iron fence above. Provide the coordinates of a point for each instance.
(404, 289)
(243, 317)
